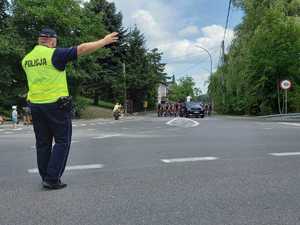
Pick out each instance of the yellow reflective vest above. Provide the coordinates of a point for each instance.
(46, 83)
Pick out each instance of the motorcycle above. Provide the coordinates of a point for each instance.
(116, 114)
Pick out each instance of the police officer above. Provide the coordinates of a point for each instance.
(50, 103)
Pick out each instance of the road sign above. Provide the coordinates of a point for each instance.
(145, 104)
(286, 84)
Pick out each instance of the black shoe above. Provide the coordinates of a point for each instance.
(54, 186)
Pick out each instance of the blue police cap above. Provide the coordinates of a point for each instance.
(47, 32)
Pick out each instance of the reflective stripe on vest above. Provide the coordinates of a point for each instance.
(46, 83)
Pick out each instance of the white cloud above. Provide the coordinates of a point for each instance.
(179, 51)
(189, 31)
(165, 29)
(184, 50)
(213, 35)
(150, 26)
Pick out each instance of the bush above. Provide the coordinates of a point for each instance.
(80, 103)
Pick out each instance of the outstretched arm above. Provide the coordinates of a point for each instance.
(90, 47)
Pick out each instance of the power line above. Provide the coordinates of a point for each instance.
(222, 49)
(227, 19)
(185, 57)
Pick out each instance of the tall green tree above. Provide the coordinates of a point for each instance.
(185, 87)
(108, 81)
(265, 51)
(99, 75)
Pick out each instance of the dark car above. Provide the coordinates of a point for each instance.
(192, 109)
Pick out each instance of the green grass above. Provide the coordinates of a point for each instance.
(94, 112)
(102, 104)
(90, 111)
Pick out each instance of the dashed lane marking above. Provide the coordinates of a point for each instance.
(285, 154)
(77, 167)
(107, 136)
(291, 124)
(194, 159)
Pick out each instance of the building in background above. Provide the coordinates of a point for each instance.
(163, 89)
(162, 95)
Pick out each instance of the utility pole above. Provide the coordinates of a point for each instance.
(125, 88)
(286, 101)
(222, 76)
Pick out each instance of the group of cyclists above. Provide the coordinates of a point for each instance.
(166, 109)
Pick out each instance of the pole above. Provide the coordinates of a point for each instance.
(211, 61)
(210, 57)
(286, 102)
(125, 88)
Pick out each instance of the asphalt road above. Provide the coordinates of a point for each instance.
(159, 171)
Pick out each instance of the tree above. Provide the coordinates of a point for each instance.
(107, 82)
(264, 52)
(99, 75)
(184, 88)
(144, 71)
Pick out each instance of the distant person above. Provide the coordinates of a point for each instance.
(188, 98)
(117, 111)
(159, 106)
(1, 120)
(117, 107)
(177, 109)
(26, 116)
(50, 102)
(206, 109)
(210, 109)
(14, 116)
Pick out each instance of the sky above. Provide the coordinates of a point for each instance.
(175, 27)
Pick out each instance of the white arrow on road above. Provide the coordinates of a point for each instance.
(182, 122)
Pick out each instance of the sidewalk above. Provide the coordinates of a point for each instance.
(10, 125)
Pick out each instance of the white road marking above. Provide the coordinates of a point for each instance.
(78, 167)
(83, 125)
(17, 129)
(291, 124)
(92, 129)
(182, 122)
(75, 141)
(285, 154)
(74, 125)
(8, 132)
(126, 136)
(107, 136)
(171, 121)
(194, 159)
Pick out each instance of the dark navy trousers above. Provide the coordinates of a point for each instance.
(51, 123)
